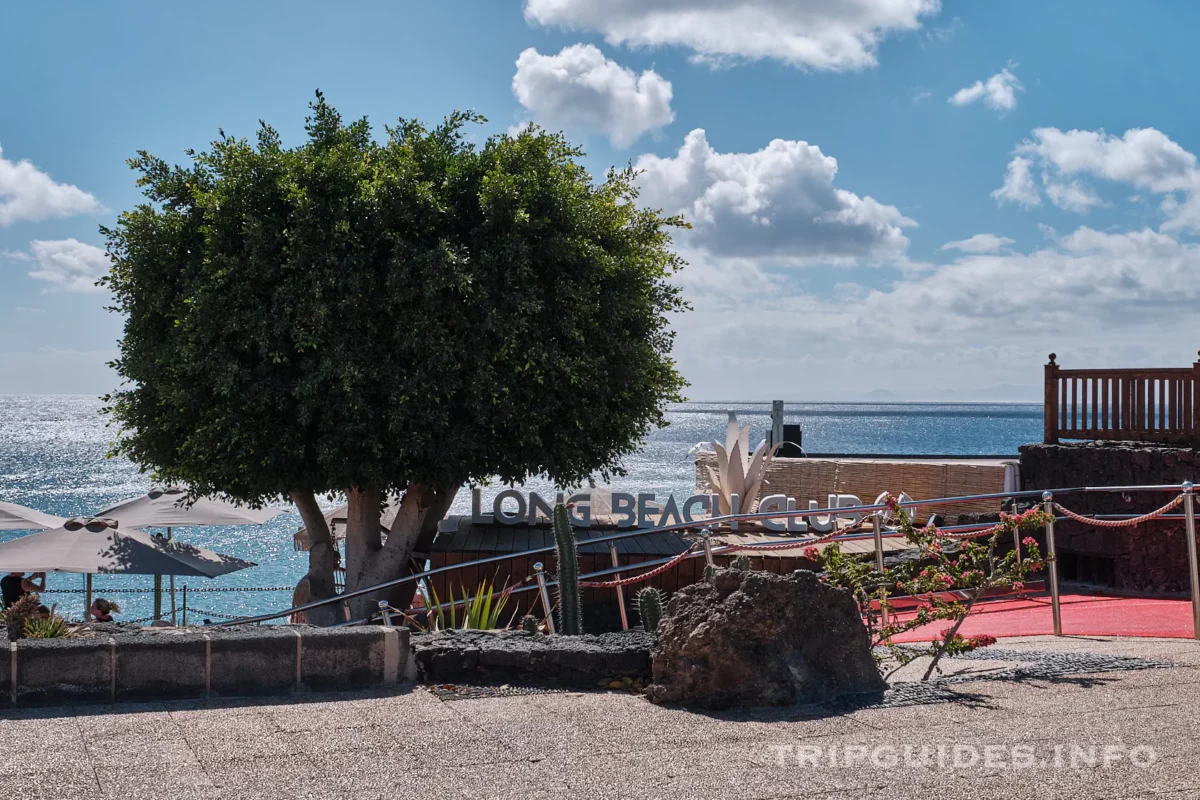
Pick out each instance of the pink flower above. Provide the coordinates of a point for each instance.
(1020, 587)
(1029, 541)
(811, 553)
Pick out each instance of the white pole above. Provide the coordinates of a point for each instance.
(1189, 512)
(877, 522)
(172, 579)
(1052, 562)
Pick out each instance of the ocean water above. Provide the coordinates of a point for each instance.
(53, 457)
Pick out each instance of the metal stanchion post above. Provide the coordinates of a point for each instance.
(1189, 513)
(385, 613)
(877, 524)
(541, 580)
(157, 597)
(706, 538)
(1052, 562)
(185, 605)
(171, 581)
(612, 552)
(87, 598)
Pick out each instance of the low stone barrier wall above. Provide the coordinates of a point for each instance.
(117, 663)
(517, 656)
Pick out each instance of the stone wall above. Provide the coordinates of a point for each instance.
(468, 656)
(125, 663)
(1148, 558)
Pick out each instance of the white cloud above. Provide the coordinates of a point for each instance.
(918, 95)
(998, 92)
(28, 195)
(945, 33)
(979, 243)
(985, 319)
(68, 264)
(1145, 159)
(1072, 196)
(581, 90)
(1019, 186)
(779, 202)
(823, 35)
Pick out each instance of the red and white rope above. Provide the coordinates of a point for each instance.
(792, 545)
(636, 578)
(1120, 523)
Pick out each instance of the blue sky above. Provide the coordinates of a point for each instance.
(1068, 156)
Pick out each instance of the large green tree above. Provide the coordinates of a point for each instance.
(387, 318)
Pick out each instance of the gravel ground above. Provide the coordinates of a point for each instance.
(1077, 717)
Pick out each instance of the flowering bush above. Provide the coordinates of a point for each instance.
(951, 575)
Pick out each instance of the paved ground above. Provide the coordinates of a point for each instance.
(608, 745)
(1082, 615)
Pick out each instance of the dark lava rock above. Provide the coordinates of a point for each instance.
(759, 639)
(467, 656)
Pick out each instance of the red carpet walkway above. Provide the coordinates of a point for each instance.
(1082, 615)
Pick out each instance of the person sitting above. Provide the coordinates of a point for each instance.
(15, 585)
(102, 610)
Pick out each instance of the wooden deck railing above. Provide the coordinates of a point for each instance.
(1139, 405)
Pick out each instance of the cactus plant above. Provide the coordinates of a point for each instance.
(709, 573)
(741, 563)
(570, 613)
(650, 604)
(529, 623)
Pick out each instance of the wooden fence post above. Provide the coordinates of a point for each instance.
(1050, 406)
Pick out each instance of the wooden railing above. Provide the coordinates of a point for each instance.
(1139, 405)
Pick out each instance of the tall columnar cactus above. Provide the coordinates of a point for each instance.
(650, 604)
(570, 612)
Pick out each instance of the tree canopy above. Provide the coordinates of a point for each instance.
(415, 310)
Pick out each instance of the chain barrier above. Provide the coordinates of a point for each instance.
(202, 613)
(1120, 523)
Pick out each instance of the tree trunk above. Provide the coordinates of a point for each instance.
(369, 561)
(318, 582)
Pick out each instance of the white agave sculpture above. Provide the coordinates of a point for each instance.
(739, 472)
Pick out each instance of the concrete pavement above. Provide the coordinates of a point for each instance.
(1012, 737)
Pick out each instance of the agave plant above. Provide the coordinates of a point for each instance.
(480, 611)
(49, 628)
(739, 472)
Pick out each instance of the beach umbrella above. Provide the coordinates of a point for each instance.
(91, 546)
(168, 507)
(19, 518)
